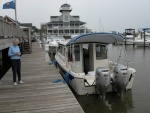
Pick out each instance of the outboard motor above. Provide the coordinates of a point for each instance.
(102, 81)
(121, 78)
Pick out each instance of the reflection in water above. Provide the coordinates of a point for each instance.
(120, 105)
(112, 104)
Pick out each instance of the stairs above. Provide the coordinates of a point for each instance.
(26, 48)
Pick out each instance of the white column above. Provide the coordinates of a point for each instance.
(58, 30)
(79, 29)
(74, 29)
(63, 29)
(85, 29)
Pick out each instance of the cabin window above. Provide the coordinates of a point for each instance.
(63, 51)
(60, 49)
(77, 52)
(101, 52)
(70, 59)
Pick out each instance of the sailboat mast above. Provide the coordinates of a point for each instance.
(101, 24)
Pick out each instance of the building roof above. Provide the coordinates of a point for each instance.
(26, 24)
(65, 5)
(78, 22)
(76, 16)
(54, 16)
(10, 20)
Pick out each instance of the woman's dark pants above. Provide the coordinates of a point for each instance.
(16, 68)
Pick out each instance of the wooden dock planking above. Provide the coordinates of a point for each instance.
(38, 94)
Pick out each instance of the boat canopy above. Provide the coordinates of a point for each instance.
(105, 38)
(144, 29)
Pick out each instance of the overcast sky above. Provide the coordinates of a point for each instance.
(114, 15)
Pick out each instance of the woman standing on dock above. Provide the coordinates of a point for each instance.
(14, 53)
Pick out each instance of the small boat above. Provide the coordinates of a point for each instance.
(84, 64)
(139, 40)
(129, 36)
(52, 42)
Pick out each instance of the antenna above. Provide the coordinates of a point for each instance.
(101, 24)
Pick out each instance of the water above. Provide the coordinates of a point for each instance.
(136, 100)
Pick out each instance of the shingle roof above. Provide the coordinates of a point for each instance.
(26, 24)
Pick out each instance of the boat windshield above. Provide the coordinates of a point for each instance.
(129, 31)
(101, 52)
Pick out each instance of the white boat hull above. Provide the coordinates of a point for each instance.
(141, 43)
(81, 88)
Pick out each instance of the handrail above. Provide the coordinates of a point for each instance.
(9, 30)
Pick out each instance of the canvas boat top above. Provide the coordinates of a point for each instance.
(105, 38)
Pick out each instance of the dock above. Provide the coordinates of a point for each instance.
(38, 94)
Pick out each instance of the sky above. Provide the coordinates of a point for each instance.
(107, 15)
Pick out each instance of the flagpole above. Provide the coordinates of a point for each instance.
(16, 16)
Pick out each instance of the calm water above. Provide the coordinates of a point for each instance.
(136, 100)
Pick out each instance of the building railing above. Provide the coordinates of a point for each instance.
(65, 8)
(66, 27)
(9, 30)
(65, 34)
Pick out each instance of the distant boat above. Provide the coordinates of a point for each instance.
(139, 40)
(52, 41)
(129, 36)
(84, 64)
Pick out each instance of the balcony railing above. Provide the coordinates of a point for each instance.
(66, 27)
(65, 34)
(65, 8)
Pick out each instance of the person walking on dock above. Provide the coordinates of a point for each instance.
(14, 53)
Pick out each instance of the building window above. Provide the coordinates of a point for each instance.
(49, 31)
(72, 31)
(101, 52)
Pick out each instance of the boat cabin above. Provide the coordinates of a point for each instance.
(84, 54)
(130, 31)
(54, 39)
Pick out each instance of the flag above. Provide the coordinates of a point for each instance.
(9, 5)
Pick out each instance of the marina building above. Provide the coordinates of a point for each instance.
(66, 24)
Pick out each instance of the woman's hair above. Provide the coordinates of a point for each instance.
(16, 39)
